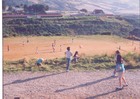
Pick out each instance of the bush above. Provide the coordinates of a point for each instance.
(132, 61)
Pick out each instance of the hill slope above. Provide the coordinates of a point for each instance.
(88, 25)
(110, 6)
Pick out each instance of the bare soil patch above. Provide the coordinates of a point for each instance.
(38, 47)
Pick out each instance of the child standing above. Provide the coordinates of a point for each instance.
(68, 58)
(76, 56)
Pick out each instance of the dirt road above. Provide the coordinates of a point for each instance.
(70, 85)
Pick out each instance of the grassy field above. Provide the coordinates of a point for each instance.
(95, 52)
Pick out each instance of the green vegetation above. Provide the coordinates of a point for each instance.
(36, 9)
(88, 25)
(132, 61)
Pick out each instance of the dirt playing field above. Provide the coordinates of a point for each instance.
(41, 47)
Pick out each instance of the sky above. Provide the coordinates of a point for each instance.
(134, 3)
(128, 6)
(114, 6)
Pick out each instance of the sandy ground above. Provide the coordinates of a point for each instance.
(41, 47)
(70, 85)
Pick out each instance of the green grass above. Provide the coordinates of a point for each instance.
(132, 61)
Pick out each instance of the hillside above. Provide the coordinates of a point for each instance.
(87, 25)
(111, 6)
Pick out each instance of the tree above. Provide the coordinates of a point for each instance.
(3, 5)
(25, 8)
(84, 10)
(37, 8)
(10, 8)
(46, 7)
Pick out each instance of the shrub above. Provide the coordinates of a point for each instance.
(132, 60)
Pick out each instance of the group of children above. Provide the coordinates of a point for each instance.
(68, 54)
(119, 66)
(118, 69)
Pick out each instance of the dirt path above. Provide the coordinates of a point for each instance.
(70, 85)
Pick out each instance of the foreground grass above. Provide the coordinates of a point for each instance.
(132, 61)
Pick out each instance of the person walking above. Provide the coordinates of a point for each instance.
(121, 70)
(68, 54)
(8, 48)
(53, 47)
(60, 48)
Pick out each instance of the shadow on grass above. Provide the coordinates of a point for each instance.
(86, 84)
(34, 78)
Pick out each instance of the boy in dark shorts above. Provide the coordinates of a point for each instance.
(121, 70)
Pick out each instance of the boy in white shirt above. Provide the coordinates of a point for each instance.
(68, 57)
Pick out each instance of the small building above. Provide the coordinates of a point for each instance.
(18, 10)
(51, 13)
(6, 12)
(109, 15)
(15, 16)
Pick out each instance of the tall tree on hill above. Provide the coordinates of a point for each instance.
(84, 10)
(37, 8)
(25, 8)
(3, 5)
